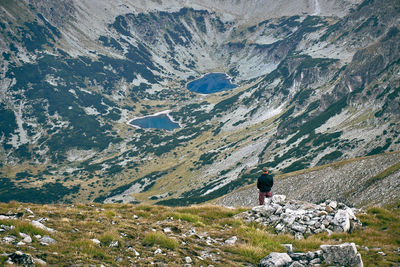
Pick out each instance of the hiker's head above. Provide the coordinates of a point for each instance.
(265, 170)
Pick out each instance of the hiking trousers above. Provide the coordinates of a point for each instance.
(262, 196)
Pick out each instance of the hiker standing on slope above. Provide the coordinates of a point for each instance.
(264, 184)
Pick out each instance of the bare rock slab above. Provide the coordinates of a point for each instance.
(344, 254)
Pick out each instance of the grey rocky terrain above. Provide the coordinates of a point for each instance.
(351, 182)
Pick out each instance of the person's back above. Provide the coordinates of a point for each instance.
(264, 184)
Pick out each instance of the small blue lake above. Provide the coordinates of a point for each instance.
(211, 83)
(162, 122)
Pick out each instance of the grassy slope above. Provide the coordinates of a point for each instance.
(76, 225)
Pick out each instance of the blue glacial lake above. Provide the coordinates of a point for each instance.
(211, 83)
(161, 121)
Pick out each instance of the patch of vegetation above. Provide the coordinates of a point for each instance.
(48, 193)
(297, 165)
(110, 42)
(330, 157)
(188, 217)
(364, 4)
(160, 239)
(26, 228)
(207, 158)
(7, 123)
(380, 149)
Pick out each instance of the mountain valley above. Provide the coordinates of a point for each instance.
(318, 82)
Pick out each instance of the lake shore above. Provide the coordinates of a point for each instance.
(164, 112)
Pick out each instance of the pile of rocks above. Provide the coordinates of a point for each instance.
(303, 218)
(340, 255)
(23, 259)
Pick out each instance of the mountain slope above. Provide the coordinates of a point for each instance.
(358, 182)
(318, 82)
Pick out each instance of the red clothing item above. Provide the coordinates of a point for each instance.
(262, 196)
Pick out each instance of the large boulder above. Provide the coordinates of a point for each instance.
(342, 220)
(344, 255)
(275, 259)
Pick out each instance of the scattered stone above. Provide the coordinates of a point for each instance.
(29, 210)
(96, 241)
(231, 241)
(167, 230)
(298, 236)
(296, 264)
(135, 216)
(40, 262)
(329, 209)
(114, 244)
(288, 247)
(42, 226)
(131, 249)
(381, 253)
(365, 248)
(6, 227)
(192, 232)
(344, 254)
(158, 251)
(11, 216)
(9, 239)
(27, 238)
(279, 199)
(333, 204)
(188, 260)
(338, 255)
(275, 259)
(21, 258)
(123, 235)
(47, 240)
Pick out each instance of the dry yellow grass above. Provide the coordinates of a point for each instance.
(142, 228)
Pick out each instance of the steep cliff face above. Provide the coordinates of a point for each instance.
(318, 82)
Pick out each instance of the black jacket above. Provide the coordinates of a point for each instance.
(265, 182)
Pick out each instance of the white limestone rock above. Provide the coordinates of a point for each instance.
(275, 259)
(344, 254)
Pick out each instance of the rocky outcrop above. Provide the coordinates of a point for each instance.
(302, 218)
(340, 255)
